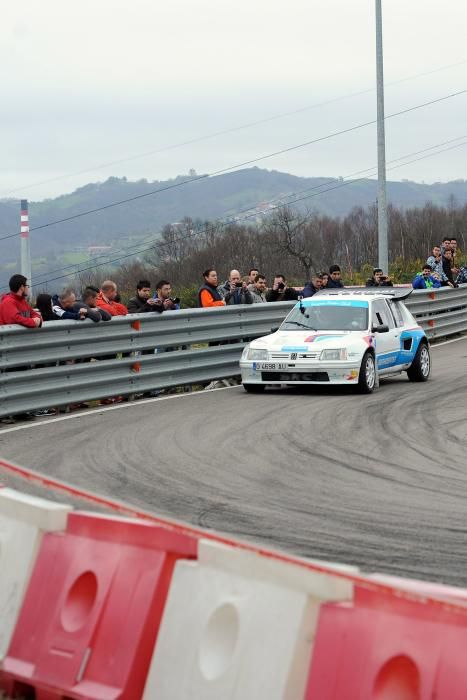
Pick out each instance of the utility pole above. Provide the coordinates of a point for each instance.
(25, 247)
(383, 260)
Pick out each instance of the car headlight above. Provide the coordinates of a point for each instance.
(252, 354)
(338, 354)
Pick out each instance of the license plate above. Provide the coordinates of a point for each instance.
(269, 366)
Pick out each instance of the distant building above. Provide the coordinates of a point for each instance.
(98, 250)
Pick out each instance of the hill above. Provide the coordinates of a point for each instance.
(206, 198)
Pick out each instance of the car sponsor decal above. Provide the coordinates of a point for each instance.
(319, 338)
(333, 302)
(294, 348)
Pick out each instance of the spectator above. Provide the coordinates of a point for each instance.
(235, 291)
(462, 276)
(106, 299)
(208, 294)
(453, 243)
(253, 273)
(89, 297)
(312, 287)
(379, 279)
(426, 279)
(435, 260)
(334, 281)
(162, 298)
(445, 244)
(258, 289)
(324, 280)
(280, 291)
(14, 307)
(65, 308)
(447, 268)
(44, 306)
(143, 302)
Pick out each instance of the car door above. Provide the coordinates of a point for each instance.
(387, 345)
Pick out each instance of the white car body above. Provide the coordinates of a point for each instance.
(342, 328)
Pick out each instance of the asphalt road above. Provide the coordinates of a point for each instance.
(379, 481)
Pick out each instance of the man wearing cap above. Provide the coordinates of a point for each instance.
(378, 279)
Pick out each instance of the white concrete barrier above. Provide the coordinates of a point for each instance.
(23, 520)
(238, 626)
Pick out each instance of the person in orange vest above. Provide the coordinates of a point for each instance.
(208, 294)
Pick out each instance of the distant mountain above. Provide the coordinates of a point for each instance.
(207, 198)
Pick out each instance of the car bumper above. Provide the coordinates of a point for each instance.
(315, 373)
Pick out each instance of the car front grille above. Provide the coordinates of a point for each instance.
(299, 355)
(294, 377)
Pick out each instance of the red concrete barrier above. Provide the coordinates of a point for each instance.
(92, 610)
(379, 648)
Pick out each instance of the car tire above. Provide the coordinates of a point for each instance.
(254, 388)
(367, 379)
(419, 370)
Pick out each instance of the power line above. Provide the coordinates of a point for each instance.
(241, 127)
(240, 165)
(255, 214)
(281, 201)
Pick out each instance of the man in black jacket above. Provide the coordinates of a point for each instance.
(280, 291)
(142, 303)
(378, 279)
(334, 281)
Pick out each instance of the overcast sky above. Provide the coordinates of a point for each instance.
(87, 82)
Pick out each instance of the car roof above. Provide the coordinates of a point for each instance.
(365, 293)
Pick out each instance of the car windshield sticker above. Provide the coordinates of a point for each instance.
(333, 302)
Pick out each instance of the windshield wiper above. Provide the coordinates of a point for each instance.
(302, 325)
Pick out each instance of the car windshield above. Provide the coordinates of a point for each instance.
(328, 316)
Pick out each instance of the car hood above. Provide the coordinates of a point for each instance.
(301, 341)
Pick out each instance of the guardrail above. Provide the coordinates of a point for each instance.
(39, 368)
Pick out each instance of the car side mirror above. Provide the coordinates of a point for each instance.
(274, 330)
(382, 328)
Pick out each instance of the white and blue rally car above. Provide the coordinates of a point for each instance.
(340, 337)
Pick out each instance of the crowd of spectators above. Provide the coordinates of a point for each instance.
(441, 268)
(101, 304)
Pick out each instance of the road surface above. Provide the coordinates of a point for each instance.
(379, 481)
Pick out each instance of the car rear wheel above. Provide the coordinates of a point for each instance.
(254, 388)
(367, 379)
(419, 370)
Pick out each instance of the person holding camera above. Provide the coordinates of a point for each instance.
(280, 291)
(162, 299)
(379, 279)
(235, 291)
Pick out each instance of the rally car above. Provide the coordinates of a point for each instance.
(340, 336)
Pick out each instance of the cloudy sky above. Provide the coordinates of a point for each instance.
(93, 88)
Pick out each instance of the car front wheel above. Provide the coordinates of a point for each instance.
(367, 379)
(419, 370)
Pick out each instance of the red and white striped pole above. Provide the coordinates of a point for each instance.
(25, 247)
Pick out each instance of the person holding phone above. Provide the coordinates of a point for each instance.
(280, 291)
(379, 279)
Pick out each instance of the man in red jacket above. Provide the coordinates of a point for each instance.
(14, 307)
(106, 299)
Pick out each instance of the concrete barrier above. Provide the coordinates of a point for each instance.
(238, 625)
(23, 522)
